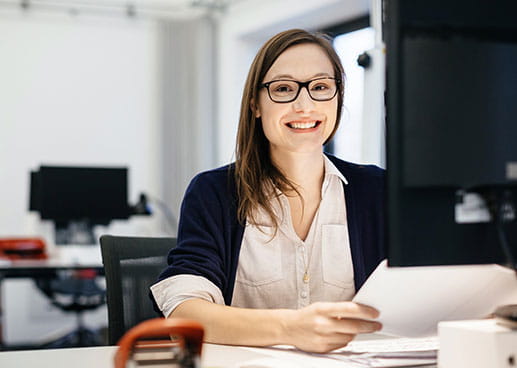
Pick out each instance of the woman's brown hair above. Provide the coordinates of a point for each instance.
(255, 175)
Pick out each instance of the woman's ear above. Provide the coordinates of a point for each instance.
(254, 108)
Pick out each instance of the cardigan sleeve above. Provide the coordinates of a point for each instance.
(201, 247)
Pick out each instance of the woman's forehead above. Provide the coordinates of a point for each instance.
(301, 62)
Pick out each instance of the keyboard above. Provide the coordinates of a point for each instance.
(392, 345)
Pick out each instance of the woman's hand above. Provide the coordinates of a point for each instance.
(322, 327)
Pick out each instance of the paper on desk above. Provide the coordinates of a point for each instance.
(412, 300)
(280, 355)
(386, 361)
(294, 356)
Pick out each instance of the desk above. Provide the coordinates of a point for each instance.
(220, 356)
(42, 268)
(102, 357)
(67, 258)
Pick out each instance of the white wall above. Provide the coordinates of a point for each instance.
(76, 91)
(244, 28)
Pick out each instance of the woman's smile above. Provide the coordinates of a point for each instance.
(303, 125)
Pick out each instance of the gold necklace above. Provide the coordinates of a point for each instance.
(306, 277)
(306, 263)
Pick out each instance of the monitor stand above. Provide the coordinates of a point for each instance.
(78, 232)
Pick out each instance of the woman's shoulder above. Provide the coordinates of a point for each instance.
(218, 178)
(350, 169)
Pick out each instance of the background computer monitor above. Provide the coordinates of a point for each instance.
(80, 196)
(451, 103)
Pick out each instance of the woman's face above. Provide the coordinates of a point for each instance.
(304, 124)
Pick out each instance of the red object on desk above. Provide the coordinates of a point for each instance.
(182, 349)
(22, 248)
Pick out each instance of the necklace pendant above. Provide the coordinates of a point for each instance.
(306, 278)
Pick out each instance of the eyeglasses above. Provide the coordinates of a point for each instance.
(287, 90)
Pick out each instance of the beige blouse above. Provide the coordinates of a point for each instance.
(284, 271)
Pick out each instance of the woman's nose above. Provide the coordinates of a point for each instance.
(303, 102)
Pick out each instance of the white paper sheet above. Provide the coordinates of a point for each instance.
(288, 356)
(412, 300)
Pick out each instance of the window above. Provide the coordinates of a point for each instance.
(349, 137)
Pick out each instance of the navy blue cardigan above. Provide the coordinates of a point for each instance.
(209, 235)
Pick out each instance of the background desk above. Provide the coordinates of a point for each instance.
(42, 268)
(66, 257)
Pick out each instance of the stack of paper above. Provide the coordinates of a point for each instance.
(412, 300)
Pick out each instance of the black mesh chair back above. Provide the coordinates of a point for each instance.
(131, 266)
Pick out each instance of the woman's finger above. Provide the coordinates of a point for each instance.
(356, 326)
(343, 310)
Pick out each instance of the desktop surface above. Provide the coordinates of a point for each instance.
(102, 357)
(213, 355)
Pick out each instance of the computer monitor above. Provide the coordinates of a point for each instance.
(451, 106)
(79, 198)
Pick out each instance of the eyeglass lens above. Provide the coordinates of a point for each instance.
(321, 89)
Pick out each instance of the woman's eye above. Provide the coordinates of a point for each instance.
(283, 88)
(320, 87)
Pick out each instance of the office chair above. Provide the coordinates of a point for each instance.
(131, 266)
(75, 291)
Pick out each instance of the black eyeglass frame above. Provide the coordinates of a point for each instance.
(300, 86)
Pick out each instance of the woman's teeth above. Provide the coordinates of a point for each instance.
(298, 125)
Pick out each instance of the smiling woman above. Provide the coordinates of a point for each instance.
(281, 239)
(287, 109)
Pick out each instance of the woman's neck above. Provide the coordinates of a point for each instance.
(305, 170)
